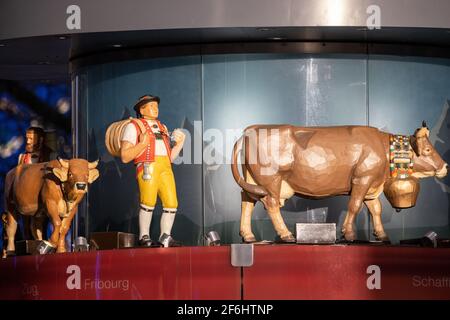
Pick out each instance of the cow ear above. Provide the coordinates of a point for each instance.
(93, 175)
(422, 133)
(60, 173)
(303, 137)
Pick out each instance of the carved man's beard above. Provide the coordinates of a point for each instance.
(29, 147)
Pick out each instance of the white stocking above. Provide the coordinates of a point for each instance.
(145, 219)
(167, 219)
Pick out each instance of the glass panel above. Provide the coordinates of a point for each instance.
(113, 90)
(246, 89)
(230, 92)
(402, 93)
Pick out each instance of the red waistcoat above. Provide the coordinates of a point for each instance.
(27, 158)
(149, 153)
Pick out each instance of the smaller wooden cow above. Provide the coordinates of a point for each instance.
(52, 188)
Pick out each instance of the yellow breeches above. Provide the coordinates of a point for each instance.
(162, 184)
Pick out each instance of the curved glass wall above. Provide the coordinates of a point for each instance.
(215, 97)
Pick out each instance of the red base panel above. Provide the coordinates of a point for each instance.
(161, 273)
(278, 272)
(348, 272)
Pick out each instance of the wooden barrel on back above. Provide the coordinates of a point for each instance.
(114, 135)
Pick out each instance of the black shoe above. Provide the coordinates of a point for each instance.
(167, 241)
(147, 242)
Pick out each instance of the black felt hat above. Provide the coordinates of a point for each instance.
(144, 100)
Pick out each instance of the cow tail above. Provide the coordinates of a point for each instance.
(251, 188)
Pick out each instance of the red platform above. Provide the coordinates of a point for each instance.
(172, 273)
(278, 272)
(341, 272)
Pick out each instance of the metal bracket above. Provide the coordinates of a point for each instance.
(242, 255)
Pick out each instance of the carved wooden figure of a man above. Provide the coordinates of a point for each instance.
(146, 141)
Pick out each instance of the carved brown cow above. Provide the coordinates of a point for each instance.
(52, 188)
(316, 162)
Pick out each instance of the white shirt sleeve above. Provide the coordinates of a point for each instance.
(130, 134)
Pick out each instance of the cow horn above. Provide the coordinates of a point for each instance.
(63, 163)
(93, 165)
(424, 124)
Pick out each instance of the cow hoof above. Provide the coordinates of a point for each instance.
(349, 236)
(10, 253)
(288, 239)
(249, 239)
(382, 236)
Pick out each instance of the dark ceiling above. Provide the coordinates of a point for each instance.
(47, 58)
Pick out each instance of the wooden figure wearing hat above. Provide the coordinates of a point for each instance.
(146, 141)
